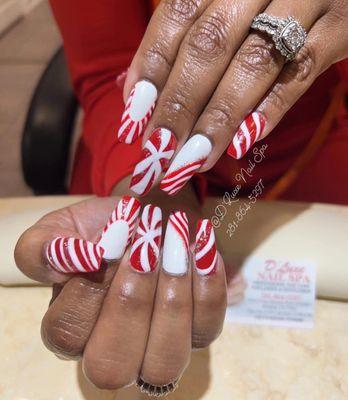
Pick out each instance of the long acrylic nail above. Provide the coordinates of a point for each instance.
(157, 152)
(139, 108)
(189, 159)
(248, 133)
(146, 244)
(205, 248)
(176, 244)
(118, 231)
(72, 256)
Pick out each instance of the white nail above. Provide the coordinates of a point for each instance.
(189, 159)
(119, 229)
(139, 108)
(176, 245)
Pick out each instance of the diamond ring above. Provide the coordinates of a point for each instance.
(156, 391)
(287, 33)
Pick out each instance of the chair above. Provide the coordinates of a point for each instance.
(48, 130)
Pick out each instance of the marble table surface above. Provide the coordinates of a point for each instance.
(245, 363)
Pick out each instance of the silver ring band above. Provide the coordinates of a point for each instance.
(287, 33)
(156, 391)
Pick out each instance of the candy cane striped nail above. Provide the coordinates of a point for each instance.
(139, 108)
(189, 159)
(205, 248)
(72, 256)
(147, 240)
(118, 231)
(157, 152)
(248, 133)
(176, 244)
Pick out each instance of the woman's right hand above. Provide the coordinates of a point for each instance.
(123, 323)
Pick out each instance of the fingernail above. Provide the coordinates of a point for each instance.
(176, 244)
(121, 79)
(189, 159)
(118, 231)
(71, 256)
(205, 248)
(248, 133)
(147, 240)
(139, 108)
(157, 152)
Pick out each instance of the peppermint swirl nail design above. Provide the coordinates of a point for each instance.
(157, 152)
(146, 245)
(138, 111)
(248, 133)
(71, 255)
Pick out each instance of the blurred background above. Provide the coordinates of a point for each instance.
(28, 41)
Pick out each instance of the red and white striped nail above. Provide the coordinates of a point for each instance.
(157, 152)
(118, 231)
(205, 248)
(176, 244)
(146, 244)
(248, 133)
(72, 256)
(138, 111)
(190, 158)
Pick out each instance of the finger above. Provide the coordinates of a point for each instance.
(209, 288)
(62, 243)
(153, 62)
(169, 345)
(297, 77)
(116, 348)
(46, 252)
(251, 73)
(201, 62)
(72, 315)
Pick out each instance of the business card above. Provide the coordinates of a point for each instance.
(279, 293)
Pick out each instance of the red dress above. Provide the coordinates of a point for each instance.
(100, 39)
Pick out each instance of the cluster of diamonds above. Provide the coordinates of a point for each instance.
(288, 35)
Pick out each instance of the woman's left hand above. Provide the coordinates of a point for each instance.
(209, 73)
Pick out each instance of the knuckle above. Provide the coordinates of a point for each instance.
(176, 106)
(155, 56)
(129, 298)
(222, 114)
(201, 340)
(182, 11)
(303, 66)
(208, 39)
(174, 305)
(61, 336)
(277, 98)
(104, 374)
(257, 56)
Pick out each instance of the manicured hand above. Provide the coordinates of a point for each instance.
(127, 305)
(202, 81)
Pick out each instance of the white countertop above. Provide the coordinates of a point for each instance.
(245, 363)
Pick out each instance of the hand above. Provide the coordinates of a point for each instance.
(209, 72)
(123, 322)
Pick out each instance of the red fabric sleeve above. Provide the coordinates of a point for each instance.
(100, 39)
